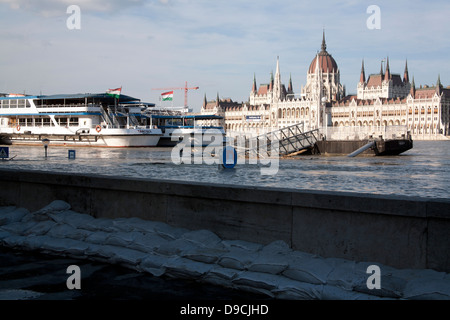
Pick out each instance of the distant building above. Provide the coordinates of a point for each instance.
(383, 101)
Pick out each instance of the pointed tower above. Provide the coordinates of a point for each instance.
(324, 44)
(217, 100)
(362, 77)
(271, 81)
(277, 83)
(405, 74)
(290, 89)
(412, 91)
(254, 88)
(387, 75)
(205, 102)
(438, 85)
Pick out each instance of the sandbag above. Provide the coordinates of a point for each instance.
(12, 214)
(308, 268)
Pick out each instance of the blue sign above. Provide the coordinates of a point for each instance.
(253, 118)
(229, 157)
(4, 152)
(71, 154)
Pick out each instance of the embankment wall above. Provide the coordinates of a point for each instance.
(399, 231)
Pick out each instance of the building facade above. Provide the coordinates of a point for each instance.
(384, 103)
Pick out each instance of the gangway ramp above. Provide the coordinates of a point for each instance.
(290, 140)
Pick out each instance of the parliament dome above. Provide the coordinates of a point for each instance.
(326, 62)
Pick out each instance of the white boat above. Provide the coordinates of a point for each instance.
(178, 127)
(97, 120)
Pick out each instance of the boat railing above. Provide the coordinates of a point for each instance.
(365, 132)
(69, 105)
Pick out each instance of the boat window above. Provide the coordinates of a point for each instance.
(21, 103)
(46, 122)
(13, 103)
(73, 122)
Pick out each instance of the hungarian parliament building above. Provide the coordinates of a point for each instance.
(386, 103)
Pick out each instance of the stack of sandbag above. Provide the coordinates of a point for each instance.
(274, 269)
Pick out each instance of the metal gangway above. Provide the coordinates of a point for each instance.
(287, 141)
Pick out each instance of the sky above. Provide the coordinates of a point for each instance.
(216, 45)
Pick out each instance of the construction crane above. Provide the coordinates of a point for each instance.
(185, 91)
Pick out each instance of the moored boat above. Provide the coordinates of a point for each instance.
(99, 120)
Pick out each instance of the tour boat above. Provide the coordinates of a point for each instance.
(199, 130)
(96, 120)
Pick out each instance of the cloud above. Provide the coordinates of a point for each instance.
(49, 8)
(217, 45)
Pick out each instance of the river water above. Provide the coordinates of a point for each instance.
(422, 171)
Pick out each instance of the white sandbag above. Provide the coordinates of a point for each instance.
(237, 258)
(203, 238)
(121, 239)
(216, 281)
(147, 242)
(67, 231)
(40, 228)
(168, 232)
(13, 241)
(224, 273)
(391, 286)
(154, 264)
(127, 257)
(137, 224)
(257, 280)
(100, 251)
(34, 242)
(205, 255)
(246, 245)
(289, 289)
(221, 276)
(97, 237)
(43, 214)
(13, 215)
(308, 268)
(186, 269)
(330, 292)
(54, 206)
(74, 219)
(175, 247)
(425, 288)
(345, 275)
(19, 227)
(101, 224)
(272, 258)
(4, 234)
(63, 246)
(254, 290)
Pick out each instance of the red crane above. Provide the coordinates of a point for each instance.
(185, 91)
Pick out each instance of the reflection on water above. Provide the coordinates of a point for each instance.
(421, 171)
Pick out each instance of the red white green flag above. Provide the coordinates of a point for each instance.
(114, 92)
(167, 96)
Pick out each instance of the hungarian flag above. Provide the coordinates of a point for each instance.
(114, 92)
(167, 96)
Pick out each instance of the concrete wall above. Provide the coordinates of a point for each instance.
(402, 232)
